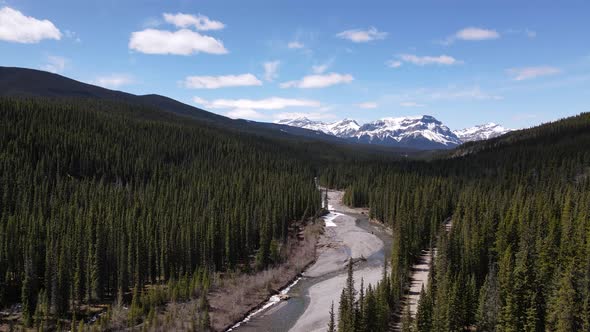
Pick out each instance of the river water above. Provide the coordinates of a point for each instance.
(283, 315)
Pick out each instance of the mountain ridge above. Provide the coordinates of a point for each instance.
(421, 131)
(481, 132)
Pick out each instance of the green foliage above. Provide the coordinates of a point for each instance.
(424, 312)
(97, 198)
(348, 305)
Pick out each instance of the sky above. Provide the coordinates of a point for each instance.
(516, 63)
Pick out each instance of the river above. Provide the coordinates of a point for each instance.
(348, 233)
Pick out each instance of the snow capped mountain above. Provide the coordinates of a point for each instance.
(423, 132)
(305, 123)
(344, 128)
(481, 132)
(419, 132)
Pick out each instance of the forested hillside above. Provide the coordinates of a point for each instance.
(516, 258)
(102, 200)
(100, 197)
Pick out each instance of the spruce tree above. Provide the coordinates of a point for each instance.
(331, 322)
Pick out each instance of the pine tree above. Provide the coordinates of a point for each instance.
(360, 309)
(345, 322)
(350, 290)
(564, 310)
(347, 302)
(331, 323)
(370, 314)
(424, 312)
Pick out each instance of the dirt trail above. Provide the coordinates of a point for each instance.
(419, 278)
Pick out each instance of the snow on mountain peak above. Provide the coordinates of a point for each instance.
(343, 128)
(402, 130)
(481, 132)
(419, 131)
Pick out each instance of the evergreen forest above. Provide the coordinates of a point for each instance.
(101, 200)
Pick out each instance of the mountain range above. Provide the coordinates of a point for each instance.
(417, 132)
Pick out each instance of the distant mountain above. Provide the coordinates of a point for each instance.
(344, 129)
(422, 132)
(418, 132)
(481, 132)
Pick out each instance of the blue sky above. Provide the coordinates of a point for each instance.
(517, 63)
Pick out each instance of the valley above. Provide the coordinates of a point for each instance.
(283, 166)
(348, 234)
(189, 254)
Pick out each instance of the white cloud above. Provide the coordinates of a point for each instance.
(394, 63)
(424, 60)
(318, 81)
(181, 42)
(244, 114)
(199, 22)
(114, 81)
(271, 70)
(362, 36)
(55, 64)
(472, 34)
(295, 45)
(410, 104)
(526, 73)
(368, 104)
(272, 103)
(216, 82)
(18, 28)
